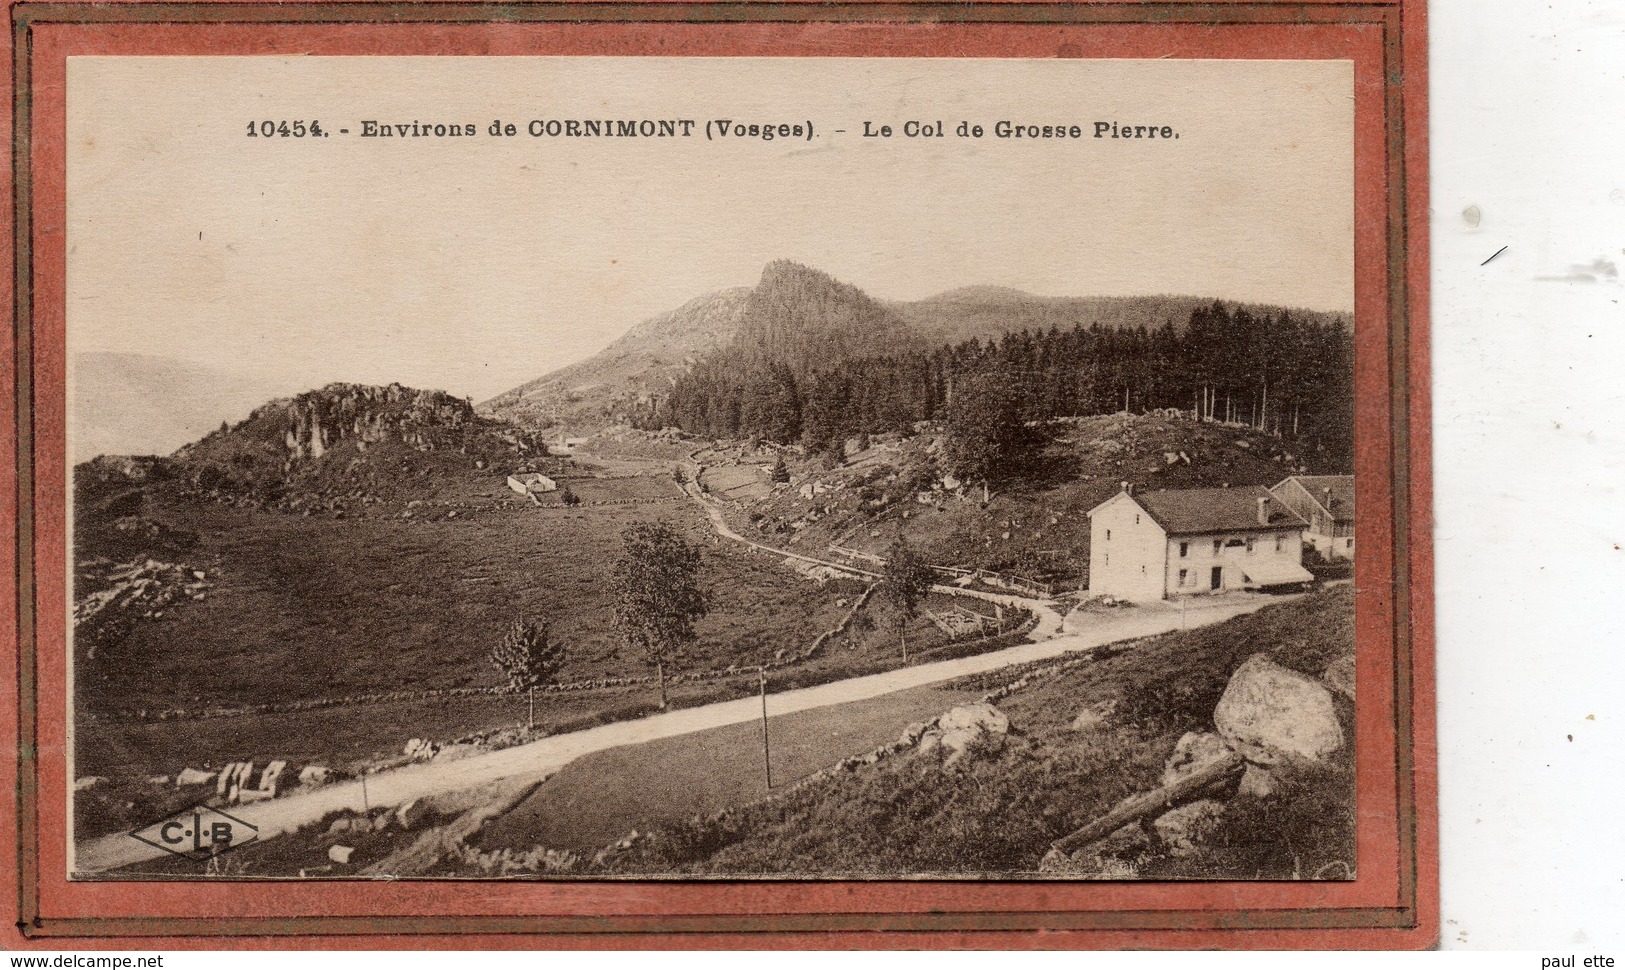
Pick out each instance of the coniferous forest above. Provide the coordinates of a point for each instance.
(1275, 372)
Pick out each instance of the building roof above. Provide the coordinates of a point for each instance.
(1188, 511)
(1342, 489)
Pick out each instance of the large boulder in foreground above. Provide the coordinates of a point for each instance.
(1268, 711)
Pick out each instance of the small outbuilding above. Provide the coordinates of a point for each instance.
(531, 483)
(1326, 502)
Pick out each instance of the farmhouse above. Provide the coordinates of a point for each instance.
(1326, 502)
(1177, 542)
(526, 483)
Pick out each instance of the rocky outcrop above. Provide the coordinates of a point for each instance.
(313, 422)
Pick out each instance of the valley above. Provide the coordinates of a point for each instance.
(323, 584)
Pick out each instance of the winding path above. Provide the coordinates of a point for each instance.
(1050, 623)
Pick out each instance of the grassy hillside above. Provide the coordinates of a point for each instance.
(1040, 531)
(393, 570)
(1000, 812)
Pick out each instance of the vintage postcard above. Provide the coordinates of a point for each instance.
(651, 475)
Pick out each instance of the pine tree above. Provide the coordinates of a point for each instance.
(529, 658)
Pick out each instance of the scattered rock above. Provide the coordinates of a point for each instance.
(981, 716)
(1094, 717)
(1194, 751)
(315, 775)
(912, 734)
(1267, 710)
(420, 748)
(1258, 782)
(88, 782)
(411, 814)
(341, 825)
(929, 741)
(1183, 829)
(193, 776)
(157, 779)
(341, 854)
(964, 726)
(1339, 676)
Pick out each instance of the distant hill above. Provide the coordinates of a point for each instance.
(982, 312)
(807, 319)
(643, 361)
(143, 404)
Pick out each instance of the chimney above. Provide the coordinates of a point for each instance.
(1326, 493)
(1128, 487)
(1263, 510)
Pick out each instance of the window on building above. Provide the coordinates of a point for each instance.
(1136, 520)
(1280, 543)
(1249, 545)
(1108, 535)
(1182, 574)
(1184, 547)
(1217, 545)
(1142, 570)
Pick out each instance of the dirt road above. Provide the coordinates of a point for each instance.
(539, 759)
(1050, 623)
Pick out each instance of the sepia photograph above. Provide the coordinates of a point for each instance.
(763, 468)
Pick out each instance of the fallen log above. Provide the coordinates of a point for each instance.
(1138, 806)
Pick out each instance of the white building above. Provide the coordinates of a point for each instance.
(526, 483)
(1176, 542)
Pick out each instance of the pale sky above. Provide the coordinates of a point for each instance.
(475, 264)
